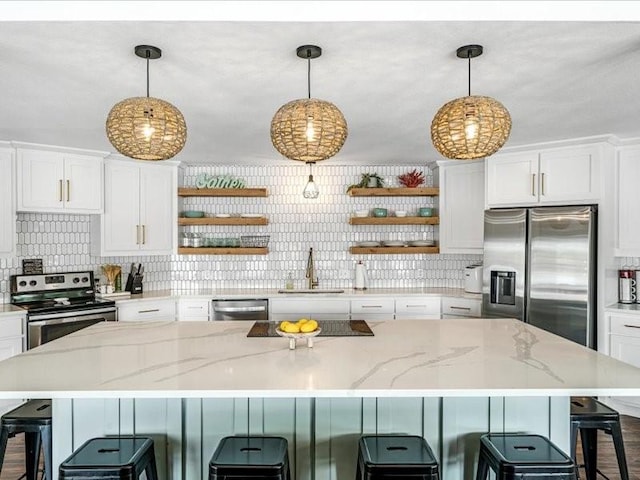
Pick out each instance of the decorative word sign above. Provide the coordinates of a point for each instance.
(204, 180)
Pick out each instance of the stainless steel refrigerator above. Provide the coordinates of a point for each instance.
(540, 267)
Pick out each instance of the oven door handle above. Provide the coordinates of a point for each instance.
(75, 313)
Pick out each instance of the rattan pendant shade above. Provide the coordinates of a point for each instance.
(308, 130)
(293, 121)
(146, 128)
(473, 126)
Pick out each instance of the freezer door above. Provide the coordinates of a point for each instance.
(561, 269)
(504, 263)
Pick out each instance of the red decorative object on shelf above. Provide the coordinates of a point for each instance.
(411, 179)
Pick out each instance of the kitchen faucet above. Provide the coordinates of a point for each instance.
(310, 273)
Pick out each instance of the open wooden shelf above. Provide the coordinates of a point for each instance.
(223, 251)
(393, 250)
(395, 192)
(394, 220)
(222, 192)
(223, 221)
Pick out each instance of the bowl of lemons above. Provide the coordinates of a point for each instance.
(305, 328)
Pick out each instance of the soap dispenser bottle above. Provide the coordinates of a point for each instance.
(361, 279)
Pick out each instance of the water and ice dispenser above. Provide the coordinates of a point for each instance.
(503, 287)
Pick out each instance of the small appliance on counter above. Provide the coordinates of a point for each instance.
(473, 278)
(360, 279)
(134, 280)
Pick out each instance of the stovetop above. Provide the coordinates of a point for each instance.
(51, 306)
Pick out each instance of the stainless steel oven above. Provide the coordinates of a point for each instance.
(59, 304)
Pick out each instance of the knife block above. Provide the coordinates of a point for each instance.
(134, 283)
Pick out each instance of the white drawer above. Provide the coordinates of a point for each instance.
(193, 309)
(628, 325)
(419, 306)
(372, 306)
(11, 326)
(152, 310)
(309, 306)
(461, 307)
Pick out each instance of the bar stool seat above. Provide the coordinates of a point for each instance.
(123, 458)
(251, 457)
(588, 415)
(32, 418)
(393, 456)
(518, 456)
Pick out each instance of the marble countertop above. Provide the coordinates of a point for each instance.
(405, 358)
(623, 307)
(273, 293)
(6, 309)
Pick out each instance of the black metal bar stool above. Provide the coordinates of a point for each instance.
(250, 457)
(123, 458)
(588, 415)
(32, 418)
(392, 456)
(518, 456)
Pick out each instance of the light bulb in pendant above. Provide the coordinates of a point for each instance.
(311, 189)
(310, 131)
(148, 130)
(471, 128)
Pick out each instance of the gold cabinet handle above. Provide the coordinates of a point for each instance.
(542, 183)
(533, 184)
(137, 234)
(60, 190)
(143, 234)
(68, 190)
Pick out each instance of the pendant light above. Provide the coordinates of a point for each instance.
(472, 126)
(309, 129)
(311, 189)
(146, 128)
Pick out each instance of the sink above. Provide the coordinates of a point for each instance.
(313, 290)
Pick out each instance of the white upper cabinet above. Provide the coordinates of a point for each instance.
(461, 207)
(55, 180)
(551, 176)
(627, 202)
(140, 210)
(7, 203)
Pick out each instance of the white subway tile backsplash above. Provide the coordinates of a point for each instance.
(295, 225)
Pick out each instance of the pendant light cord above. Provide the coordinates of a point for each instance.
(469, 57)
(309, 72)
(148, 55)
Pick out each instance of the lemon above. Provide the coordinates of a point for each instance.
(284, 324)
(291, 328)
(309, 326)
(302, 320)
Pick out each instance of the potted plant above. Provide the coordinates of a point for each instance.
(368, 180)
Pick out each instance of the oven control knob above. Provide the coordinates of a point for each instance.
(33, 283)
(76, 279)
(85, 279)
(22, 283)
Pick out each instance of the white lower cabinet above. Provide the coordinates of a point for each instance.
(193, 310)
(146, 310)
(624, 344)
(417, 308)
(316, 308)
(453, 307)
(381, 308)
(12, 342)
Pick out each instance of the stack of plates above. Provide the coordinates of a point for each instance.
(251, 215)
(393, 243)
(368, 244)
(222, 215)
(422, 243)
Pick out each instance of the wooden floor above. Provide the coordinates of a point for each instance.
(14, 458)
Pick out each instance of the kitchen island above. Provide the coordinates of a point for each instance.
(189, 384)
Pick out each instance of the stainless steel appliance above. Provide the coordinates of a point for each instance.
(540, 267)
(58, 304)
(241, 309)
(473, 278)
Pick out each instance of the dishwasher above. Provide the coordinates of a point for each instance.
(240, 309)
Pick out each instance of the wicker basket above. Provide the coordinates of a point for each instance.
(254, 241)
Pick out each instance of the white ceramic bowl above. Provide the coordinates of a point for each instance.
(361, 213)
(401, 213)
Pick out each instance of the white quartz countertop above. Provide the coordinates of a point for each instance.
(231, 293)
(405, 358)
(623, 308)
(6, 309)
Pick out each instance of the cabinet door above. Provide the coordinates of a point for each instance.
(570, 175)
(157, 212)
(193, 310)
(626, 349)
(376, 308)
(120, 233)
(417, 308)
(83, 184)
(627, 202)
(7, 204)
(40, 181)
(460, 307)
(512, 179)
(462, 208)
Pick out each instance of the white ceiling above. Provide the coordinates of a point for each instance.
(558, 79)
